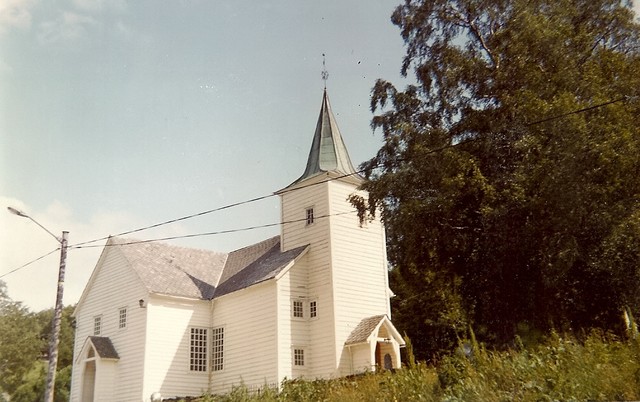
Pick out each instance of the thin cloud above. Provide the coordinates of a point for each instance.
(15, 14)
(69, 26)
(116, 6)
(22, 241)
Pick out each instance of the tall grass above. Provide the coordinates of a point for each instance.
(600, 367)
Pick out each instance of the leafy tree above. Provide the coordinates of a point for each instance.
(23, 347)
(65, 346)
(20, 345)
(508, 176)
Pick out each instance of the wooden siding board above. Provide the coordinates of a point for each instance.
(167, 356)
(358, 257)
(250, 335)
(114, 286)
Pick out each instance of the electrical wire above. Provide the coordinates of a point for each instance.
(188, 236)
(586, 109)
(29, 263)
(236, 204)
(86, 243)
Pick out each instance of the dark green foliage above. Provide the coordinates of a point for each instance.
(508, 178)
(21, 344)
(24, 347)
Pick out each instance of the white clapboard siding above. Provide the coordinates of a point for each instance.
(295, 231)
(361, 358)
(359, 268)
(320, 352)
(293, 332)
(249, 319)
(166, 367)
(347, 271)
(113, 285)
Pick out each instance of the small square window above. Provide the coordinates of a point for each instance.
(298, 309)
(97, 325)
(122, 318)
(309, 216)
(298, 357)
(313, 309)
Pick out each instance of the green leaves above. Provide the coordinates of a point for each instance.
(23, 343)
(510, 168)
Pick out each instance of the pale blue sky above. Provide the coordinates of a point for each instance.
(121, 114)
(118, 114)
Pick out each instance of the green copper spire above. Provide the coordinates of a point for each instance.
(328, 152)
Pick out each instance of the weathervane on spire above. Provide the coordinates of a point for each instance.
(325, 73)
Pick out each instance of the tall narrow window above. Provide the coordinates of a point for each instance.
(309, 216)
(217, 349)
(298, 309)
(198, 349)
(97, 325)
(313, 309)
(298, 357)
(122, 318)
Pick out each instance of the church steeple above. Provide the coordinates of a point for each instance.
(328, 152)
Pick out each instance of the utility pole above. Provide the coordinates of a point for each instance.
(55, 326)
(57, 313)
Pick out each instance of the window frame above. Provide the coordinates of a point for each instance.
(97, 325)
(198, 358)
(297, 313)
(313, 309)
(123, 318)
(309, 215)
(298, 357)
(217, 349)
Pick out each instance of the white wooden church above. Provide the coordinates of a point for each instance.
(310, 303)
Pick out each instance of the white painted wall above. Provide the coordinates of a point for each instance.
(250, 337)
(113, 285)
(361, 358)
(321, 342)
(166, 366)
(105, 386)
(359, 268)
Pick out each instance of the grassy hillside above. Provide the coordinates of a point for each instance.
(599, 367)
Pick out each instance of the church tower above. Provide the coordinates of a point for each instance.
(347, 277)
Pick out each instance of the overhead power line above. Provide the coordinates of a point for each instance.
(188, 236)
(586, 109)
(86, 243)
(29, 263)
(235, 204)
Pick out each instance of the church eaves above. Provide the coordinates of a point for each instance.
(328, 152)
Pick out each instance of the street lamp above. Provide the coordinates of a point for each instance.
(57, 314)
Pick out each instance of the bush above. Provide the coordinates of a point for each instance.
(600, 367)
(561, 368)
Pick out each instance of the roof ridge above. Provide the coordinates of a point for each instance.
(128, 241)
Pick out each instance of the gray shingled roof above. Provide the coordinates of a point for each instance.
(361, 333)
(173, 270)
(203, 274)
(328, 152)
(267, 266)
(104, 348)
